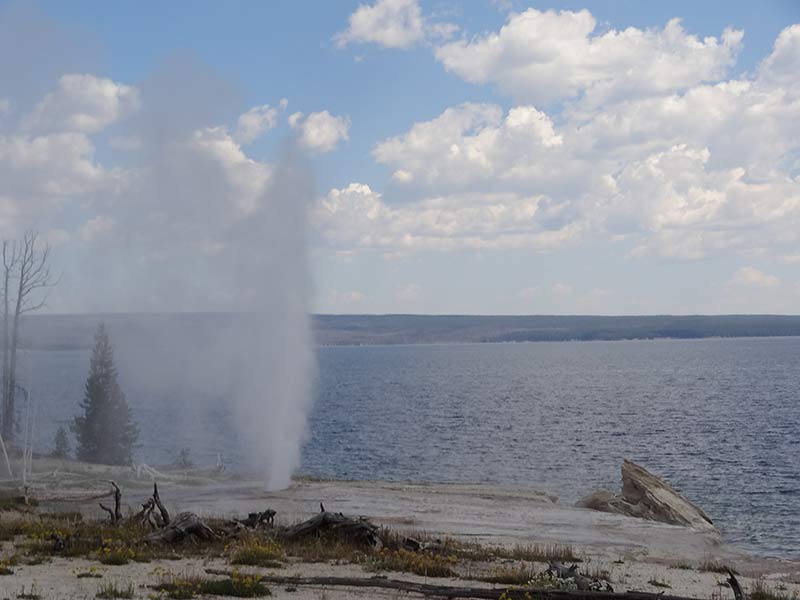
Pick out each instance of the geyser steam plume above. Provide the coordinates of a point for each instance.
(250, 365)
(270, 354)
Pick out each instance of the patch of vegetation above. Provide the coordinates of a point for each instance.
(10, 561)
(712, 566)
(31, 594)
(324, 548)
(111, 590)
(238, 585)
(120, 555)
(256, 553)
(543, 581)
(15, 502)
(419, 563)
(114, 545)
(519, 575)
(659, 583)
(11, 528)
(89, 575)
(760, 590)
(543, 553)
(6, 570)
(68, 515)
(598, 573)
(683, 566)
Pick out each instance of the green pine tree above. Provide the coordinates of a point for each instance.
(61, 444)
(105, 431)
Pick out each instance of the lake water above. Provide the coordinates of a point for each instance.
(718, 418)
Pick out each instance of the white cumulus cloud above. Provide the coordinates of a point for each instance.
(82, 103)
(320, 131)
(543, 56)
(473, 142)
(255, 122)
(392, 24)
(356, 217)
(389, 23)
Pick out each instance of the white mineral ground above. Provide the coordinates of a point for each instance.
(633, 551)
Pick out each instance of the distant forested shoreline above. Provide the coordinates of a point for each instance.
(72, 332)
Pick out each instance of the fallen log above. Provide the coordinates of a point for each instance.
(359, 530)
(186, 524)
(447, 591)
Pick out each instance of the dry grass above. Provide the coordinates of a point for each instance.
(419, 563)
(712, 566)
(543, 553)
(238, 585)
(65, 535)
(760, 590)
(111, 590)
(510, 575)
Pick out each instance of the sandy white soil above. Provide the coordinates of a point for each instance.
(633, 551)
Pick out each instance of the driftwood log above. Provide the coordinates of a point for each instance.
(359, 530)
(446, 591)
(185, 524)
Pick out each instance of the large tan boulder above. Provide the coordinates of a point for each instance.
(648, 497)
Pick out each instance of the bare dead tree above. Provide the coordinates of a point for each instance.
(116, 514)
(27, 265)
(10, 260)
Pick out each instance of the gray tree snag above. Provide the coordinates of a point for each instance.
(116, 514)
(26, 265)
(10, 260)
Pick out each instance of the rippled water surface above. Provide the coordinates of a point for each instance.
(718, 418)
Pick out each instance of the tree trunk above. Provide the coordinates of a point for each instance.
(7, 266)
(8, 421)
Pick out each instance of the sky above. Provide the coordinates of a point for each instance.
(482, 157)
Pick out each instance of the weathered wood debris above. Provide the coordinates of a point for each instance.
(558, 570)
(185, 524)
(449, 591)
(358, 530)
